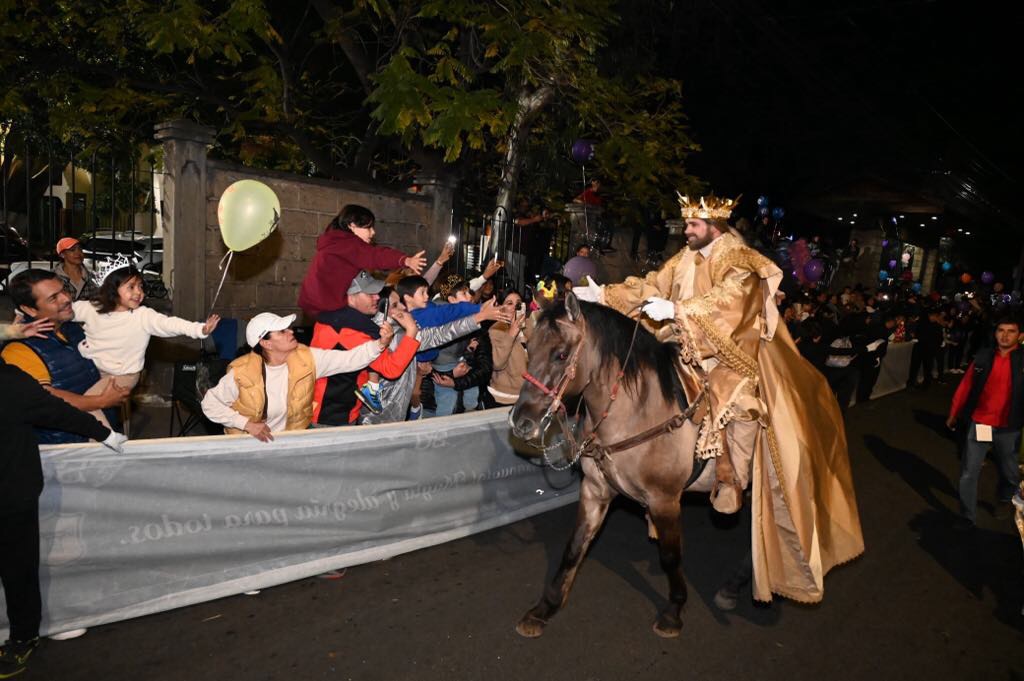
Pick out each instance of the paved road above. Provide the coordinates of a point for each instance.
(923, 602)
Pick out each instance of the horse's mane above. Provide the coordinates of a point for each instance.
(612, 331)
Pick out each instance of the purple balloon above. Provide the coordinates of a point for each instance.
(814, 269)
(987, 278)
(892, 264)
(885, 243)
(582, 151)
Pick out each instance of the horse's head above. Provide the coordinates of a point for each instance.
(559, 367)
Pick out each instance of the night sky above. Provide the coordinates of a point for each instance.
(800, 100)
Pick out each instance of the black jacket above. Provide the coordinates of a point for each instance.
(25, 404)
(981, 367)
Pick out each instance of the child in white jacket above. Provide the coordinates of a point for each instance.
(118, 328)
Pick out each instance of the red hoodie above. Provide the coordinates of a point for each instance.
(340, 255)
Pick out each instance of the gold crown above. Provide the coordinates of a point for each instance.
(707, 208)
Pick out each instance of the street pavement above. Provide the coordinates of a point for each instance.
(923, 602)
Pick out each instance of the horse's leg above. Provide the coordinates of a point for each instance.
(593, 506)
(670, 549)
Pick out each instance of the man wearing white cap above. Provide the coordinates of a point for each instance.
(271, 388)
(78, 280)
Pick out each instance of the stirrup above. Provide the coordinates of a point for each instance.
(726, 497)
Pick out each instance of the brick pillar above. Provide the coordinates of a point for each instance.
(441, 188)
(184, 205)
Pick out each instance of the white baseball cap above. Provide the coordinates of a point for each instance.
(263, 323)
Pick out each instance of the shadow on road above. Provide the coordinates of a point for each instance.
(982, 560)
(713, 546)
(919, 475)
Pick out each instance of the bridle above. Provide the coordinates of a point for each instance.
(588, 446)
(568, 374)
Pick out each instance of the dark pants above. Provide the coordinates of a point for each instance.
(922, 357)
(843, 381)
(19, 570)
(868, 376)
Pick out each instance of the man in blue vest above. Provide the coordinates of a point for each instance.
(53, 359)
(990, 401)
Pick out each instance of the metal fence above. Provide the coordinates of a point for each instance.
(109, 201)
(479, 239)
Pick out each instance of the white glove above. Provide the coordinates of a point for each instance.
(116, 442)
(592, 292)
(659, 309)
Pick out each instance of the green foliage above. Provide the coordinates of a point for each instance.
(322, 86)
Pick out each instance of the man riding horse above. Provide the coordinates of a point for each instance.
(768, 416)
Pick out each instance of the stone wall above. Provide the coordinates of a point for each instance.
(266, 278)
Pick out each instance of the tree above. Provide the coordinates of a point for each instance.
(492, 72)
(349, 90)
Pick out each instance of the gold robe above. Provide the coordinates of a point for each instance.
(805, 518)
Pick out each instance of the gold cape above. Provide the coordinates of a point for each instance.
(805, 518)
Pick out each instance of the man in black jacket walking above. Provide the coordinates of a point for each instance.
(25, 404)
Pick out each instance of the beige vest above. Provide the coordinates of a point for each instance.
(252, 394)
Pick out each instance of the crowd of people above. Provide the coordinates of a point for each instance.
(394, 340)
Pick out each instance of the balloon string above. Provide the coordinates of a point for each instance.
(221, 266)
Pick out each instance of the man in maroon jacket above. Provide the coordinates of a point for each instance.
(345, 248)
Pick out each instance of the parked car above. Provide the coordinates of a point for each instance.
(145, 252)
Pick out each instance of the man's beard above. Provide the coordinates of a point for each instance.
(698, 244)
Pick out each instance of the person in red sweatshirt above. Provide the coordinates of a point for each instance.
(345, 248)
(990, 402)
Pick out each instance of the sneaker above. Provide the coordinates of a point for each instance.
(371, 398)
(415, 413)
(14, 656)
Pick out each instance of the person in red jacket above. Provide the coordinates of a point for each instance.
(989, 402)
(345, 248)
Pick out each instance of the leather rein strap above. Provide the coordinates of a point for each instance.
(589, 445)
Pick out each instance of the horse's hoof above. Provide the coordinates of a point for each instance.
(726, 599)
(667, 630)
(530, 627)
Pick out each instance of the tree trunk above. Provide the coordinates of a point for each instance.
(529, 104)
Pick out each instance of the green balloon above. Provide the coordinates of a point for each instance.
(248, 212)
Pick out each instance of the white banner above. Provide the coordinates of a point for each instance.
(179, 521)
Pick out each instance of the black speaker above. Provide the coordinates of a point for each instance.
(191, 381)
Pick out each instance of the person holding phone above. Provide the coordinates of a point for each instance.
(508, 348)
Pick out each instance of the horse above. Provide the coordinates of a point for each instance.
(630, 385)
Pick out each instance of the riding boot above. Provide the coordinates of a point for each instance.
(726, 495)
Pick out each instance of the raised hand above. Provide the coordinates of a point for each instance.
(492, 267)
(36, 329)
(406, 321)
(446, 254)
(491, 311)
(417, 262)
(387, 332)
(211, 324)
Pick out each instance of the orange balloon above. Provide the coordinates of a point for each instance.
(965, 278)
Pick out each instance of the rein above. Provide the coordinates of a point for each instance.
(589, 446)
